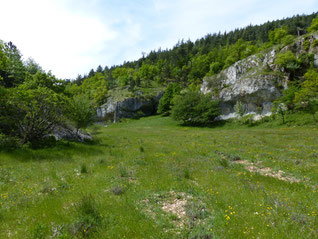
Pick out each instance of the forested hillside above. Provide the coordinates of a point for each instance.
(34, 103)
(188, 62)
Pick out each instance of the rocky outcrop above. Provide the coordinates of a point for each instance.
(71, 134)
(133, 107)
(255, 81)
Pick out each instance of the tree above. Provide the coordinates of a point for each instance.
(165, 102)
(288, 61)
(307, 97)
(124, 76)
(280, 108)
(147, 73)
(81, 111)
(14, 73)
(278, 35)
(31, 114)
(314, 25)
(3, 64)
(195, 108)
(32, 67)
(95, 88)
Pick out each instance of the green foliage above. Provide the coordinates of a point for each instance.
(241, 49)
(215, 68)
(195, 108)
(288, 40)
(307, 97)
(288, 61)
(81, 111)
(281, 109)
(288, 96)
(44, 80)
(124, 76)
(32, 67)
(147, 73)
(279, 35)
(240, 108)
(247, 120)
(314, 25)
(8, 142)
(165, 102)
(95, 88)
(31, 114)
(13, 71)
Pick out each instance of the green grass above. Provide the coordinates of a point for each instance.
(117, 186)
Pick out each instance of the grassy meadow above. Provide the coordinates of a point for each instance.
(152, 178)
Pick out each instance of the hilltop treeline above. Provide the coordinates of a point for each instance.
(188, 62)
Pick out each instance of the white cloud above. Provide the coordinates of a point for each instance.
(55, 37)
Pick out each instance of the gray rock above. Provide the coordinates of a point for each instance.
(254, 81)
(133, 107)
(71, 134)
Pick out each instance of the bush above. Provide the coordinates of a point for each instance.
(281, 109)
(31, 114)
(81, 111)
(195, 108)
(165, 102)
(247, 120)
(7, 142)
(314, 25)
(288, 61)
(240, 108)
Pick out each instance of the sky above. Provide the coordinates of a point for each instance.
(70, 37)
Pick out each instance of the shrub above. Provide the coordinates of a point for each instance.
(281, 109)
(248, 120)
(307, 98)
(314, 25)
(240, 108)
(8, 142)
(31, 114)
(81, 111)
(165, 102)
(195, 108)
(288, 61)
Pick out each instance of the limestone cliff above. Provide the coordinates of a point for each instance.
(255, 81)
(129, 107)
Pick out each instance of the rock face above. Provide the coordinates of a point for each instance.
(128, 108)
(69, 133)
(255, 81)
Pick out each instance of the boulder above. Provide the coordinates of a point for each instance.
(71, 134)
